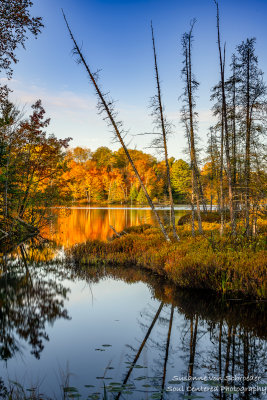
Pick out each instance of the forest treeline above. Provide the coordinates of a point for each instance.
(106, 176)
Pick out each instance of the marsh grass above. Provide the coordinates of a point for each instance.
(226, 265)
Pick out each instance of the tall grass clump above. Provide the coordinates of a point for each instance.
(204, 262)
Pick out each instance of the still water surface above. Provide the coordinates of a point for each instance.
(122, 327)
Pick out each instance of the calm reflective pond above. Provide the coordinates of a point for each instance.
(121, 328)
(76, 225)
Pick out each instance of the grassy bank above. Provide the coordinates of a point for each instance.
(204, 262)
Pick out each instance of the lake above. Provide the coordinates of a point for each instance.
(74, 333)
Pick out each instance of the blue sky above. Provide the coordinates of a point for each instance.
(116, 38)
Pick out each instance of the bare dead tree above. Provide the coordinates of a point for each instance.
(187, 130)
(225, 123)
(106, 106)
(218, 112)
(161, 122)
(232, 88)
(221, 175)
(252, 98)
(188, 117)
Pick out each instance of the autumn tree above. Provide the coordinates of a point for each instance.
(16, 22)
(181, 179)
(80, 154)
(36, 158)
(103, 157)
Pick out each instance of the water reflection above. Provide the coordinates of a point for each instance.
(221, 342)
(76, 225)
(29, 300)
(131, 329)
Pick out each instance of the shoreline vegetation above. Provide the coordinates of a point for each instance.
(206, 261)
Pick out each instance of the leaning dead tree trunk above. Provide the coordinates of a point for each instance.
(160, 121)
(107, 106)
(226, 130)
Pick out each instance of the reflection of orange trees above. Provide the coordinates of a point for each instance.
(83, 224)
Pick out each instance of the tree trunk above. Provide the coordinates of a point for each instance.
(110, 115)
(247, 151)
(225, 117)
(188, 70)
(164, 138)
(221, 180)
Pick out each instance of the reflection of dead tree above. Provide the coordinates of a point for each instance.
(220, 355)
(193, 341)
(227, 358)
(167, 352)
(246, 363)
(106, 106)
(238, 352)
(141, 347)
(233, 356)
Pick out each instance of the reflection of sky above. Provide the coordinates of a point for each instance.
(110, 318)
(114, 316)
(116, 37)
(118, 314)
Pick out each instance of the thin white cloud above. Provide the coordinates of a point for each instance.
(65, 100)
(6, 81)
(75, 115)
